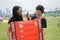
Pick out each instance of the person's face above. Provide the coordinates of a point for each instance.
(38, 12)
(19, 12)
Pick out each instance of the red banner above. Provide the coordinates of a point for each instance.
(25, 30)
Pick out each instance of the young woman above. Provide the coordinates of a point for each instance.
(16, 16)
(39, 12)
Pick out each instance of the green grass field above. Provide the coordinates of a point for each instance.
(52, 30)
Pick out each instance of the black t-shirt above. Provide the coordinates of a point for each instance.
(43, 21)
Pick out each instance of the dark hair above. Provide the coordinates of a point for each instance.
(41, 8)
(15, 16)
(15, 8)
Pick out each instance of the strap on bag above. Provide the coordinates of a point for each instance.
(40, 28)
(14, 31)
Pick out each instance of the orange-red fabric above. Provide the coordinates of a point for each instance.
(25, 30)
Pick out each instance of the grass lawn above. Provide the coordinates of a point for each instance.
(52, 30)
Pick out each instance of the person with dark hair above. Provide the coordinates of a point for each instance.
(34, 16)
(39, 12)
(28, 16)
(16, 16)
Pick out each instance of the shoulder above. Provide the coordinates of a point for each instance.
(11, 20)
(43, 18)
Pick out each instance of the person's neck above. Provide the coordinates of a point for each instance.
(39, 15)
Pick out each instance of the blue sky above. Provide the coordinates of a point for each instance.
(30, 4)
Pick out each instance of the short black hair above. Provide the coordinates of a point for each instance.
(41, 8)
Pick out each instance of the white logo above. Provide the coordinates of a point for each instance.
(21, 31)
(22, 36)
(21, 25)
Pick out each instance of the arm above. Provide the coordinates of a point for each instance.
(9, 33)
(34, 17)
(44, 25)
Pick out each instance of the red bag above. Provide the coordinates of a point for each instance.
(25, 30)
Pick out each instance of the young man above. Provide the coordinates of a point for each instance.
(39, 12)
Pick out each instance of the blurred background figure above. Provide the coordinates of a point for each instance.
(58, 23)
(3, 17)
(28, 16)
(34, 16)
(1, 21)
